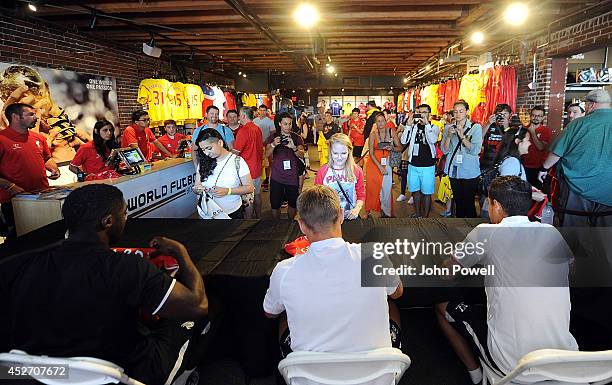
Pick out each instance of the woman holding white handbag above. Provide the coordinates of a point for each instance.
(223, 179)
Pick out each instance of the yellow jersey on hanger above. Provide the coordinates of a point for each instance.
(470, 90)
(157, 95)
(194, 97)
(179, 106)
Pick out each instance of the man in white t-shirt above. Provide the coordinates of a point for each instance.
(327, 309)
(528, 301)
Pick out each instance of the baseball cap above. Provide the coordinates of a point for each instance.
(598, 96)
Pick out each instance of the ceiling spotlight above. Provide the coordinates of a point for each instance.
(343, 90)
(330, 69)
(244, 75)
(516, 13)
(477, 37)
(32, 7)
(308, 90)
(239, 73)
(306, 15)
(405, 80)
(293, 91)
(336, 74)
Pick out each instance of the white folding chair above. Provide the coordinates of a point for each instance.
(81, 370)
(558, 367)
(345, 368)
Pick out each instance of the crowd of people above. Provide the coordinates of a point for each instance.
(319, 311)
(425, 152)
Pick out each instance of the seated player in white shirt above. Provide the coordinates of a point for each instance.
(327, 309)
(528, 300)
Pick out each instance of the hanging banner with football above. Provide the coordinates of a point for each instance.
(68, 103)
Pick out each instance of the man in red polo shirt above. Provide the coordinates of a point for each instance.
(538, 151)
(138, 134)
(171, 140)
(24, 159)
(248, 146)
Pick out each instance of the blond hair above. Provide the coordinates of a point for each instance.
(349, 166)
(318, 207)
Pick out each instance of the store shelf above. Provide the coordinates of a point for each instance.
(586, 86)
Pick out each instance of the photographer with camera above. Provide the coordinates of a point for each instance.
(492, 134)
(287, 150)
(382, 142)
(461, 143)
(421, 137)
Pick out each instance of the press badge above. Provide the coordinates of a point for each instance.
(383, 161)
(459, 159)
(415, 149)
(286, 165)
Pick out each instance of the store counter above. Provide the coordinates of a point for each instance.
(164, 191)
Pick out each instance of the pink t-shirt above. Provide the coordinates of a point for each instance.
(355, 189)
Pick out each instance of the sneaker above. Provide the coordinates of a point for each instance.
(411, 200)
(285, 205)
(401, 198)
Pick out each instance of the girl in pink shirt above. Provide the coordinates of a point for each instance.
(343, 175)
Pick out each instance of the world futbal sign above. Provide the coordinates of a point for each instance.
(158, 195)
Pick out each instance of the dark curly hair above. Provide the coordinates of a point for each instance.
(85, 207)
(103, 148)
(207, 164)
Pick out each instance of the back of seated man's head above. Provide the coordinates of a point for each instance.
(508, 196)
(95, 208)
(319, 210)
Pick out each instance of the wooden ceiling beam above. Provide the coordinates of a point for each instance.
(447, 13)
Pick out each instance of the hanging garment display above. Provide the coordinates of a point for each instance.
(156, 95)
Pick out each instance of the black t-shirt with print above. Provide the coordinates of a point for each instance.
(78, 299)
(424, 158)
(331, 128)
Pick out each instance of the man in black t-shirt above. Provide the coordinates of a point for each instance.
(492, 134)
(330, 127)
(421, 137)
(79, 298)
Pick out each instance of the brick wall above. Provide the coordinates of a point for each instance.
(27, 43)
(532, 90)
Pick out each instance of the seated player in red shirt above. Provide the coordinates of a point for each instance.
(92, 156)
(171, 140)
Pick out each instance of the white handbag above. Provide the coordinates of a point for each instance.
(209, 209)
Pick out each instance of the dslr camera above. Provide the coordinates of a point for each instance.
(499, 117)
(284, 140)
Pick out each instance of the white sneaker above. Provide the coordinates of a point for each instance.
(401, 198)
(411, 200)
